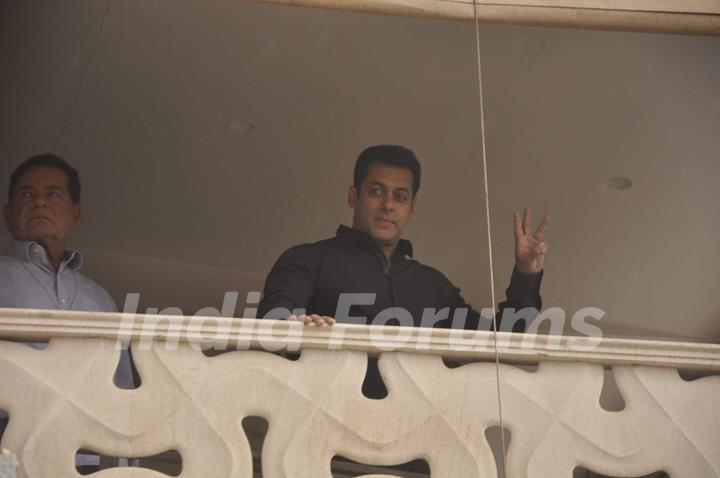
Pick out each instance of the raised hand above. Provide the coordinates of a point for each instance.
(530, 249)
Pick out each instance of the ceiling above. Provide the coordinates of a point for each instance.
(179, 207)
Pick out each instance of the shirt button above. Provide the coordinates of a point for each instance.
(62, 300)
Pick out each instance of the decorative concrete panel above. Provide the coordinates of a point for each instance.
(63, 399)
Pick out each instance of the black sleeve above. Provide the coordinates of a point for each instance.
(524, 291)
(522, 304)
(291, 282)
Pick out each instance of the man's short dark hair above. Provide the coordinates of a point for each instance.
(389, 155)
(47, 160)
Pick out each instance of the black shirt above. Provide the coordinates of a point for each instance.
(313, 278)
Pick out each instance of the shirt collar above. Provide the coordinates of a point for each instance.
(30, 251)
(404, 247)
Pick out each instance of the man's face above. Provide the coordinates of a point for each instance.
(41, 208)
(384, 203)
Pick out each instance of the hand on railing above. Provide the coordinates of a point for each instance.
(313, 319)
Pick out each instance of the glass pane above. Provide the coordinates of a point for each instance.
(614, 136)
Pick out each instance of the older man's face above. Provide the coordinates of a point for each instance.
(41, 209)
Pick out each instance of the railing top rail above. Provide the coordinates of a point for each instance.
(274, 335)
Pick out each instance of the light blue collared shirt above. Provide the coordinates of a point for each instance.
(27, 280)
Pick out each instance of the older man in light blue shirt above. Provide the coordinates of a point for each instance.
(28, 280)
(36, 269)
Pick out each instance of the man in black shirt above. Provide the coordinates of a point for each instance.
(366, 274)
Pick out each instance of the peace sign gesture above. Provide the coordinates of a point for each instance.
(529, 248)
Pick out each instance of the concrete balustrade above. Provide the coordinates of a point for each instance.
(62, 399)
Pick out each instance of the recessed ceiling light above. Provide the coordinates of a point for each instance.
(240, 126)
(618, 183)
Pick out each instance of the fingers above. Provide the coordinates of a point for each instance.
(541, 228)
(527, 221)
(540, 248)
(523, 227)
(322, 320)
(518, 226)
(312, 319)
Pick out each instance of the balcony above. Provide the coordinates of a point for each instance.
(443, 390)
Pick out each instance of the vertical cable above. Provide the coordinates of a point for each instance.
(489, 231)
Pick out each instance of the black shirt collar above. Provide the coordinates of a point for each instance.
(404, 247)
